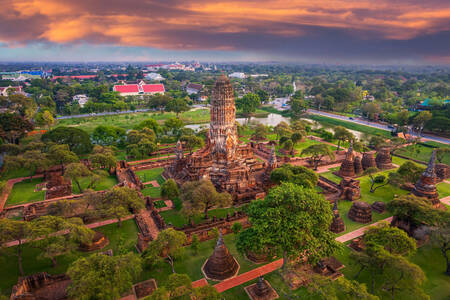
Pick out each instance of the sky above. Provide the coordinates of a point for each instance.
(303, 31)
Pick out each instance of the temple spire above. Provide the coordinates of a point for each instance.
(273, 158)
(430, 171)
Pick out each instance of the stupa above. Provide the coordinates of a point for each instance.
(426, 186)
(347, 167)
(384, 159)
(358, 165)
(221, 264)
(230, 165)
(360, 212)
(368, 160)
(337, 225)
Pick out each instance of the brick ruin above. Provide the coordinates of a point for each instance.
(261, 290)
(442, 172)
(57, 186)
(41, 286)
(350, 189)
(426, 186)
(379, 207)
(384, 159)
(337, 225)
(368, 160)
(231, 166)
(221, 264)
(126, 176)
(347, 168)
(360, 212)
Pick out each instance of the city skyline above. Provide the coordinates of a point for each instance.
(338, 32)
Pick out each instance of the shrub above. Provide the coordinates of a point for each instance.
(379, 179)
(169, 189)
(237, 227)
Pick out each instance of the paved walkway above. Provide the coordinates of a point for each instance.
(135, 162)
(359, 232)
(445, 200)
(323, 169)
(250, 275)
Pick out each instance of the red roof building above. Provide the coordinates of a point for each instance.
(139, 89)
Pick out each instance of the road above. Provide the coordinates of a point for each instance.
(375, 125)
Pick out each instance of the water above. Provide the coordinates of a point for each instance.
(273, 120)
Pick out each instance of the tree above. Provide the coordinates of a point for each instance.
(101, 276)
(248, 104)
(103, 160)
(299, 175)
(263, 95)
(76, 172)
(441, 153)
(282, 129)
(318, 152)
(48, 119)
(298, 108)
(53, 245)
(206, 292)
(321, 287)
(13, 127)
(421, 119)
(14, 230)
(61, 154)
(108, 135)
(200, 196)
(295, 221)
(261, 132)
(32, 160)
(191, 142)
(440, 237)
(119, 201)
(159, 102)
(179, 285)
(393, 239)
(77, 139)
(146, 147)
(169, 189)
(173, 125)
(378, 179)
(169, 244)
(177, 105)
(150, 124)
(342, 134)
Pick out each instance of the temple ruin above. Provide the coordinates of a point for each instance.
(426, 186)
(347, 168)
(261, 290)
(221, 264)
(230, 165)
(360, 212)
(384, 159)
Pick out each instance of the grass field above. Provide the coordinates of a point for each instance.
(420, 152)
(23, 192)
(105, 183)
(443, 189)
(128, 121)
(429, 260)
(353, 126)
(121, 239)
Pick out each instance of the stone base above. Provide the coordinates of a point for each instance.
(144, 288)
(251, 292)
(218, 279)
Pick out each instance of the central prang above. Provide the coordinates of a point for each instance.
(222, 138)
(231, 166)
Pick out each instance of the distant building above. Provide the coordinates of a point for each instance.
(193, 88)
(5, 90)
(154, 76)
(82, 99)
(139, 89)
(428, 103)
(237, 75)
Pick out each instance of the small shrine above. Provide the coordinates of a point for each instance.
(337, 225)
(350, 189)
(261, 290)
(347, 168)
(360, 212)
(426, 186)
(221, 264)
(379, 207)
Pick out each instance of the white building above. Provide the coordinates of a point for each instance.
(237, 75)
(193, 88)
(154, 76)
(82, 99)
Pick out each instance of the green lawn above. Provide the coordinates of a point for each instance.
(151, 174)
(420, 152)
(443, 189)
(429, 259)
(14, 174)
(191, 262)
(105, 183)
(329, 175)
(353, 126)
(122, 240)
(384, 194)
(154, 192)
(302, 145)
(23, 192)
(128, 121)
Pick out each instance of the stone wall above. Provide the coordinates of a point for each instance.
(41, 286)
